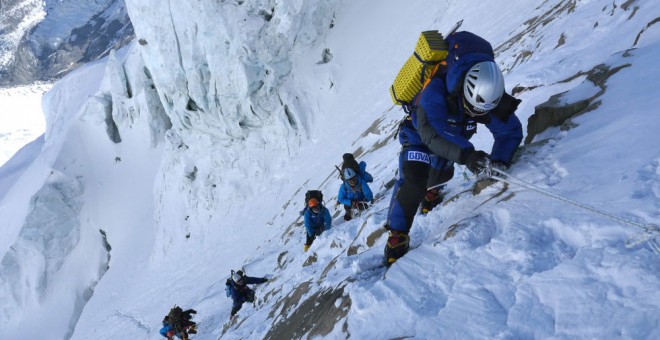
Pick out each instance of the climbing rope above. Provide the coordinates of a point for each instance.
(649, 231)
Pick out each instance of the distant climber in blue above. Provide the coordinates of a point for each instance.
(317, 220)
(467, 91)
(354, 193)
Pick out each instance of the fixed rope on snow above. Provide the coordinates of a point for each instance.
(649, 231)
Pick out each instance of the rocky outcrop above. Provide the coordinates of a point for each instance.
(558, 110)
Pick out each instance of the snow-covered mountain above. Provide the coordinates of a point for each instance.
(45, 39)
(187, 154)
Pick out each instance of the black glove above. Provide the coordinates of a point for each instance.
(475, 160)
(499, 166)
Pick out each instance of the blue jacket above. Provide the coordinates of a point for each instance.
(239, 294)
(166, 328)
(361, 192)
(317, 223)
(436, 128)
(364, 174)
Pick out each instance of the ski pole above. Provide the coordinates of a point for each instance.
(651, 230)
(341, 175)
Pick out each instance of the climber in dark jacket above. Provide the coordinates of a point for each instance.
(239, 291)
(179, 323)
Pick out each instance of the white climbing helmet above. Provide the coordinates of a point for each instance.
(483, 88)
(349, 173)
(238, 277)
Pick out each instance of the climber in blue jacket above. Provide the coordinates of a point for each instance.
(436, 134)
(317, 220)
(354, 193)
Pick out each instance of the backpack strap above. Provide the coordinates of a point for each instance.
(439, 70)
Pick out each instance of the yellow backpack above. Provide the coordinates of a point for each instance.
(431, 50)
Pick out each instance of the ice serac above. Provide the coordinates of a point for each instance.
(105, 128)
(39, 264)
(223, 73)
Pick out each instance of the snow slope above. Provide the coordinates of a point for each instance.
(191, 153)
(21, 117)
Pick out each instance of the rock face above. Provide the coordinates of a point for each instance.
(316, 316)
(43, 40)
(561, 107)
